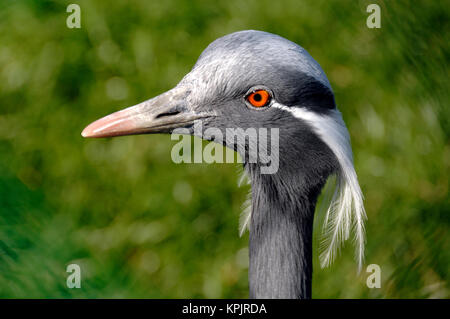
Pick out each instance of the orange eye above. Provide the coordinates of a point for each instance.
(259, 98)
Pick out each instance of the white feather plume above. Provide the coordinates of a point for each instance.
(246, 214)
(346, 210)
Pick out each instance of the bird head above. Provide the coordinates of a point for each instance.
(245, 80)
(253, 80)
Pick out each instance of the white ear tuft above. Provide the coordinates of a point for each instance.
(346, 210)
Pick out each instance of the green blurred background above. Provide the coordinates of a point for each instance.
(141, 226)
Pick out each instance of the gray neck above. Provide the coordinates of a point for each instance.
(280, 243)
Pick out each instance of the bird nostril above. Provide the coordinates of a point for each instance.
(167, 114)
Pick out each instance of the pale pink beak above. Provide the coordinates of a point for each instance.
(123, 122)
(161, 114)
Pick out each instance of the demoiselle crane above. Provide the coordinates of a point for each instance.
(255, 79)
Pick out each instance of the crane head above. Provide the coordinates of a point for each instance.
(253, 80)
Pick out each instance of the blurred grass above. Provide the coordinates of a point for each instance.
(141, 226)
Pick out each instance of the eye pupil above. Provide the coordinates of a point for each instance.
(257, 97)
